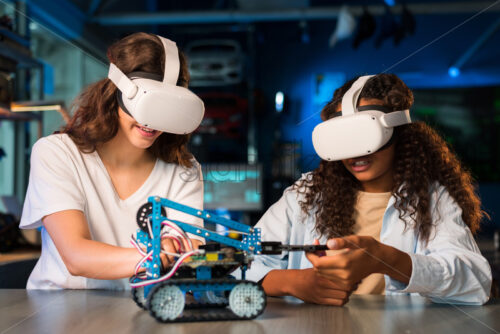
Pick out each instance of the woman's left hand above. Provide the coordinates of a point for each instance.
(171, 247)
(196, 243)
(360, 259)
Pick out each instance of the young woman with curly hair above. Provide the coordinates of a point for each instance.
(87, 183)
(399, 220)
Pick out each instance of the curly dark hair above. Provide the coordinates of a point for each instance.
(95, 120)
(421, 159)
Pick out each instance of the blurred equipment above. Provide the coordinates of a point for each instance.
(366, 28)
(338, 138)
(305, 37)
(233, 186)
(405, 27)
(279, 102)
(225, 115)
(346, 23)
(34, 106)
(388, 27)
(215, 62)
(2, 153)
(6, 22)
(157, 102)
(6, 89)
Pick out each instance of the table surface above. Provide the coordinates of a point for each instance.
(100, 311)
(19, 255)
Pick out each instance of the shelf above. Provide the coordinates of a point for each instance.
(16, 48)
(6, 114)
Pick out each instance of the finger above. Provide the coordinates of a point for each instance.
(196, 243)
(334, 293)
(327, 262)
(313, 258)
(340, 283)
(175, 241)
(168, 246)
(331, 301)
(186, 244)
(351, 241)
(332, 283)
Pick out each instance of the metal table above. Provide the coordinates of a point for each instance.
(98, 311)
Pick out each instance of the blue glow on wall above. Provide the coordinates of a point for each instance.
(453, 72)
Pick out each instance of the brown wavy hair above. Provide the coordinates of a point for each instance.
(95, 120)
(421, 159)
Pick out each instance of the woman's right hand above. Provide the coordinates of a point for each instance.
(306, 285)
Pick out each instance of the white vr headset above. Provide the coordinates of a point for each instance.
(156, 102)
(356, 131)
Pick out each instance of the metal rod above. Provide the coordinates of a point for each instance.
(312, 13)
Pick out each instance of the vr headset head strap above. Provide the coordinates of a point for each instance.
(122, 82)
(350, 98)
(396, 118)
(172, 64)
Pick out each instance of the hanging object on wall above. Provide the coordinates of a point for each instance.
(305, 37)
(405, 27)
(388, 27)
(346, 23)
(366, 28)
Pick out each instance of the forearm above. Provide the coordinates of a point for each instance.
(277, 282)
(394, 263)
(98, 260)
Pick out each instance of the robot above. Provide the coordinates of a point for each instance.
(198, 286)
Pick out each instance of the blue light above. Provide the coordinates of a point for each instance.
(390, 3)
(453, 72)
(279, 101)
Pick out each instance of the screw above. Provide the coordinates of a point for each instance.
(248, 300)
(157, 199)
(199, 213)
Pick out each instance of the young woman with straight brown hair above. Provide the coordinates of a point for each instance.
(87, 183)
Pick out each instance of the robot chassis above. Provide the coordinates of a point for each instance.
(199, 287)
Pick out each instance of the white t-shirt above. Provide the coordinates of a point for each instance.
(64, 178)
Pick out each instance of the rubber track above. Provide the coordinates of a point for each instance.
(204, 312)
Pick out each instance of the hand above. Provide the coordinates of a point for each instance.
(171, 246)
(313, 288)
(361, 258)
